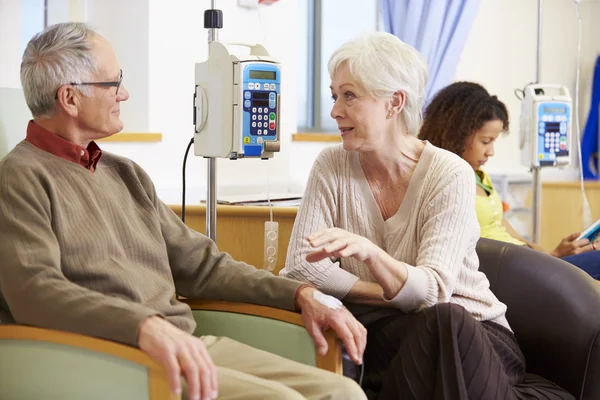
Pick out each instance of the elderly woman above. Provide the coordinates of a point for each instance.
(388, 225)
(465, 119)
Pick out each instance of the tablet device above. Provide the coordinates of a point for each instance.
(592, 233)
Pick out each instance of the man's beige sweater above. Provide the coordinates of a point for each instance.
(96, 253)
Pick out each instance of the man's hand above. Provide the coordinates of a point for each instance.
(318, 318)
(179, 352)
(570, 246)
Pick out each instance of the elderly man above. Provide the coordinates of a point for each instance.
(88, 247)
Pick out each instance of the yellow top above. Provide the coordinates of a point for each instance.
(490, 213)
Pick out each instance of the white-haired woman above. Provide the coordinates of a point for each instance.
(388, 225)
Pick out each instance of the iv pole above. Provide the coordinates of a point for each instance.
(213, 20)
(537, 179)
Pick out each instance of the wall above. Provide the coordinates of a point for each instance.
(125, 25)
(501, 54)
(20, 20)
(10, 46)
(590, 51)
(176, 41)
(158, 72)
(157, 44)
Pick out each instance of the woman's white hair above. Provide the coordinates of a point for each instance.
(59, 55)
(383, 64)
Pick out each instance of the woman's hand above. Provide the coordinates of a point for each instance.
(389, 273)
(570, 246)
(336, 242)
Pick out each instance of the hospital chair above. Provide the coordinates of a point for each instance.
(554, 311)
(46, 364)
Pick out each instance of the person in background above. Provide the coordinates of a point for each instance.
(88, 247)
(465, 119)
(387, 224)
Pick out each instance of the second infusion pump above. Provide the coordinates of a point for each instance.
(236, 104)
(545, 126)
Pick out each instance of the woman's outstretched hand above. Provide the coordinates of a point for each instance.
(338, 243)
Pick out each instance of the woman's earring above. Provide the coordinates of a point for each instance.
(389, 115)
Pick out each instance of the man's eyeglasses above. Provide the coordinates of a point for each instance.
(116, 84)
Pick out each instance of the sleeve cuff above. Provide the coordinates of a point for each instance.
(338, 283)
(414, 291)
(135, 325)
(296, 305)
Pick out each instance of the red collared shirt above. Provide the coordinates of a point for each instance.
(54, 144)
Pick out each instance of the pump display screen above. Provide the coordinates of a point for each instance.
(260, 103)
(258, 74)
(552, 127)
(555, 110)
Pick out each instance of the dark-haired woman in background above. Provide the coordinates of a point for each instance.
(465, 119)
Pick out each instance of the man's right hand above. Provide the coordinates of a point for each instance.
(319, 317)
(180, 353)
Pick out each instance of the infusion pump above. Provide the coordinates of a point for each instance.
(545, 131)
(236, 103)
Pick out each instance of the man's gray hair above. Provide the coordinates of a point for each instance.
(59, 55)
(383, 64)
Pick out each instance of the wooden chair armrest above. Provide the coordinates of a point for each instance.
(157, 375)
(332, 361)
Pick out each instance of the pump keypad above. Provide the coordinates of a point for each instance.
(261, 103)
(553, 133)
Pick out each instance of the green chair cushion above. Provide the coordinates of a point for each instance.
(32, 370)
(277, 337)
